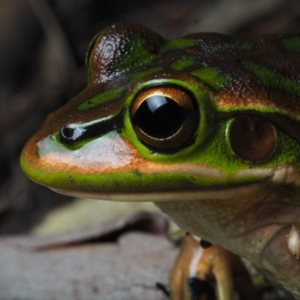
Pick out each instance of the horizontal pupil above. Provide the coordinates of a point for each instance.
(159, 116)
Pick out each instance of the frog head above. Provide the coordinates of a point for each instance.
(171, 119)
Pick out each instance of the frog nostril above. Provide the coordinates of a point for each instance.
(73, 133)
(70, 134)
(165, 117)
(67, 133)
(251, 138)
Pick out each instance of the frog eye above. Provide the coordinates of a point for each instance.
(165, 117)
(251, 138)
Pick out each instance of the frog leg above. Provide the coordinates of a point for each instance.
(197, 270)
(180, 272)
(222, 268)
(186, 283)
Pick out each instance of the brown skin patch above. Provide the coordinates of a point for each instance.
(114, 43)
(246, 94)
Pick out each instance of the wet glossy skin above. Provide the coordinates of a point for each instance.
(221, 157)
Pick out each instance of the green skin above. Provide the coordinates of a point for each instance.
(227, 77)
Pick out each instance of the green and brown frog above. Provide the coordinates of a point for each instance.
(206, 126)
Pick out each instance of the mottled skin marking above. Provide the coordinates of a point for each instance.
(245, 206)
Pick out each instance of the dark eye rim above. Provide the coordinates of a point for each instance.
(186, 133)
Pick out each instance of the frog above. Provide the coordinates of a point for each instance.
(206, 126)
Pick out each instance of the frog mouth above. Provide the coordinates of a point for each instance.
(221, 193)
(265, 179)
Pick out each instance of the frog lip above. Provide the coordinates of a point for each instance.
(221, 192)
(281, 175)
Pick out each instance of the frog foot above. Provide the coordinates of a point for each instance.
(208, 273)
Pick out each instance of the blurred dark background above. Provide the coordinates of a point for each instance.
(42, 52)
